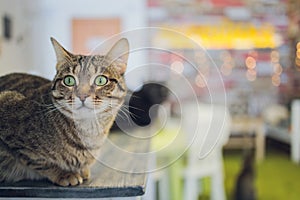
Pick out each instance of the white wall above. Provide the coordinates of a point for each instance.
(38, 20)
(14, 53)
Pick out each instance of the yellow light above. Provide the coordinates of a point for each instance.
(223, 35)
(177, 66)
(250, 62)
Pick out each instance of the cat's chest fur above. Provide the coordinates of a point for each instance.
(92, 132)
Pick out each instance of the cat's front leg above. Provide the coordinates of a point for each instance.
(60, 177)
(69, 178)
(64, 178)
(85, 173)
(53, 172)
(72, 178)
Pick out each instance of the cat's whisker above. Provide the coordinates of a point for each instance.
(131, 95)
(125, 116)
(121, 116)
(125, 110)
(135, 108)
(127, 107)
(52, 109)
(47, 108)
(42, 104)
(120, 110)
(50, 112)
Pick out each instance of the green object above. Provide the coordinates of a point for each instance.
(69, 81)
(101, 80)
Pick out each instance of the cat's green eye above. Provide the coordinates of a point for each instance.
(101, 80)
(69, 81)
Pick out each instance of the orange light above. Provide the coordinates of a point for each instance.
(200, 82)
(297, 61)
(275, 56)
(250, 62)
(298, 53)
(298, 45)
(277, 69)
(276, 80)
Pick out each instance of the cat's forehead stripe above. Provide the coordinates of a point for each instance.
(76, 69)
(92, 68)
(88, 66)
(66, 70)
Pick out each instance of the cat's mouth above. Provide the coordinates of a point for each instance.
(83, 107)
(83, 111)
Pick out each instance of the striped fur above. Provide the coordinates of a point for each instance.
(54, 131)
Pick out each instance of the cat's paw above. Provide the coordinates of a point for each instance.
(85, 173)
(69, 179)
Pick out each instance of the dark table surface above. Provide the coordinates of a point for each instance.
(120, 171)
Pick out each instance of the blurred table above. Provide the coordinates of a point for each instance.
(248, 132)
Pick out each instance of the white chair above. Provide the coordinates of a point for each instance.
(161, 179)
(295, 136)
(285, 135)
(158, 180)
(208, 129)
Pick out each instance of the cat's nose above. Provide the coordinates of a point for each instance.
(83, 97)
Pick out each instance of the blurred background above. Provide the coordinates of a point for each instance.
(241, 55)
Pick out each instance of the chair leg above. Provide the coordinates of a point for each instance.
(163, 187)
(217, 186)
(150, 193)
(191, 188)
(295, 138)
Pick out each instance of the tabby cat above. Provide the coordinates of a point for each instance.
(55, 129)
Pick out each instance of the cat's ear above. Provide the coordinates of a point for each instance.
(61, 53)
(119, 54)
